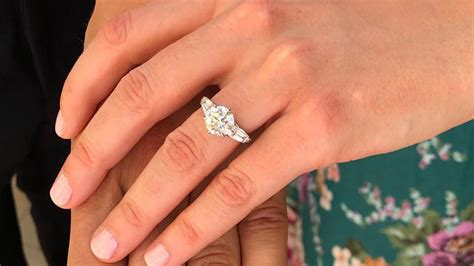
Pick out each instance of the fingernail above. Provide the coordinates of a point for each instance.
(60, 126)
(104, 245)
(61, 191)
(157, 256)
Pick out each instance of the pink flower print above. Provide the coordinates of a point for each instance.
(451, 247)
(443, 153)
(406, 212)
(375, 197)
(431, 149)
(365, 188)
(425, 202)
(389, 206)
(303, 187)
(341, 256)
(421, 204)
(383, 214)
(406, 205)
(356, 262)
(453, 205)
(374, 217)
(292, 216)
(390, 200)
(396, 214)
(326, 198)
(295, 249)
(389, 212)
(439, 259)
(426, 160)
(333, 173)
(417, 221)
(376, 193)
(423, 147)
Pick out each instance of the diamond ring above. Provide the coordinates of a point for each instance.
(220, 121)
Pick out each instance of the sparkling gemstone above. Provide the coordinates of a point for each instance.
(219, 120)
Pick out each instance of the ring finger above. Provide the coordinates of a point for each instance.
(187, 156)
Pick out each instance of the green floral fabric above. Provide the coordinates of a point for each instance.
(414, 206)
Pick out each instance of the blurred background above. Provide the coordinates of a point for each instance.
(31, 246)
(39, 43)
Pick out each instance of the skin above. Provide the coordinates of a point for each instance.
(260, 238)
(328, 81)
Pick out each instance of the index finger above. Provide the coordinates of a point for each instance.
(86, 218)
(126, 41)
(145, 96)
(264, 232)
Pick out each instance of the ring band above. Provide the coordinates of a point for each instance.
(220, 121)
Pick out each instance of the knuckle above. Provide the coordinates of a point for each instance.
(288, 62)
(132, 213)
(218, 252)
(135, 92)
(116, 31)
(214, 254)
(189, 230)
(216, 259)
(234, 188)
(268, 218)
(290, 54)
(255, 17)
(181, 151)
(84, 152)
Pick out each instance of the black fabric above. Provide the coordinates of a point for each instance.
(12, 253)
(39, 42)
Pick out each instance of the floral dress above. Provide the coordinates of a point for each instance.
(414, 206)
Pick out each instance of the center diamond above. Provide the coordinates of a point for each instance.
(219, 121)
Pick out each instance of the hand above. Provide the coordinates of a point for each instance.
(259, 239)
(333, 81)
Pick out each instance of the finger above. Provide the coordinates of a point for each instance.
(247, 182)
(187, 156)
(144, 96)
(264, 232)
(86, 218)
(126, 41)
(104, 12)
(136, 161)
(224, 250)
(137, 256)
(89, 215)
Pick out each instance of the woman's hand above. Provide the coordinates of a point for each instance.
(332, 81)
(260, 238)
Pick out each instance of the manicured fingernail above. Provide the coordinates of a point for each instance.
(104, 245)
(157, 256)
(61, 191)
(60, 126)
